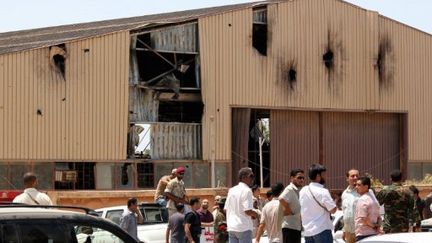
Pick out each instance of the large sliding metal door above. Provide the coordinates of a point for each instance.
(294, 142)
(339, 140)
(366, 141)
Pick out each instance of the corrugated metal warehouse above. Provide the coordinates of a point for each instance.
(330, 82)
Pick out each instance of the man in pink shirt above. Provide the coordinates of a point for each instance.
(367, 214)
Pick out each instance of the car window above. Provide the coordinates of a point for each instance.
(8, 234)
(44, 232)
(88, 234)
(152, 215)
(99, 213)
(114, 215)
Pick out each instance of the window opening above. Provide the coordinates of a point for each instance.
(259, 30)
(74, 175)
(145, 175)
(180, 111)
(259, 126)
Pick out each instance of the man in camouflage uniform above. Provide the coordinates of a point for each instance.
(399, 205)
(220, 225)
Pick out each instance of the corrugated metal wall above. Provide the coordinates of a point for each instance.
(408, 82)
(339, 140)
(294, 141)
(175, 140)
(234, 74)
(366, 141)
(81, 117)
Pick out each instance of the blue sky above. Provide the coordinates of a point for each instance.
(29, 14)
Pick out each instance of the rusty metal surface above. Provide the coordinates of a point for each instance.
(175, 140)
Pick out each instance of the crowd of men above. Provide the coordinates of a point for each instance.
(243, 215)
(286, 212)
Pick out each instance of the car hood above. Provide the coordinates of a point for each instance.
(152, 233)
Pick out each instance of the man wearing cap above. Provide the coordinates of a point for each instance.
(175, 192)
(220, 224)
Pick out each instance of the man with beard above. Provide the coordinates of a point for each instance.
(289, 200)
(316, 207)
(176, 192)
(205, 216)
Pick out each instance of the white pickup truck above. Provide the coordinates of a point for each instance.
(152, 230)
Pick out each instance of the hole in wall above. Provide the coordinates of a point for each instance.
(58, 59)
(328, 59)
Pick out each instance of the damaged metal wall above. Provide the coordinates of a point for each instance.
(405, 82)
(143, 106)
(299, 34)
(298, 73)
(82, 116)
(175, 140)
(178, 38)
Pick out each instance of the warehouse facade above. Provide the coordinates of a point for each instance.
(336, 84)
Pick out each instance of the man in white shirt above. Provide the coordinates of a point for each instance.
(31, 195)
(316, 207)
(289, 200)
(239, 208)
(271, 217)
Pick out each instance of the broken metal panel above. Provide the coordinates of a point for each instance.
(197, 71)
(143, 107)
(179, 38)
(175, 141)
(133, 69)
(260, 16)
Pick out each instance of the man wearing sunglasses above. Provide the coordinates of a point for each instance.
(239, 208)
(289, 200)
